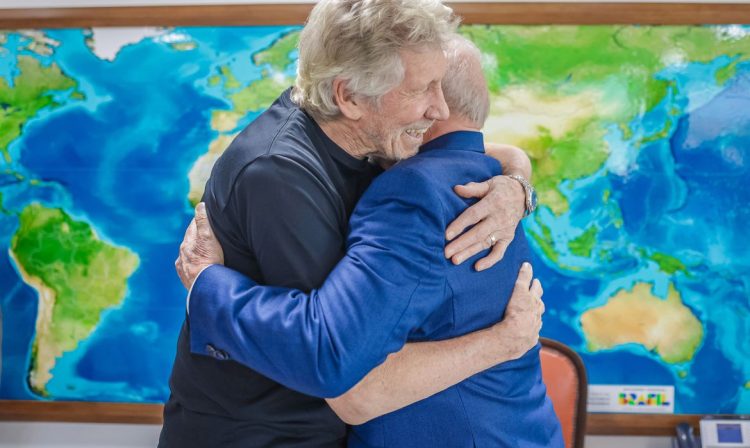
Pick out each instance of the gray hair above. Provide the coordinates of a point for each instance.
(359, 41)
(464, 85)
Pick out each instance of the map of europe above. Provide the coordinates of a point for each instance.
(640, 144)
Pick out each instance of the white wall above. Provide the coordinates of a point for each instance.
(80, 435)
(77, 435)
(83, 3)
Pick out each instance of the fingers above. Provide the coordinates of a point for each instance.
(468, 253)
(179, 268)
(185, 255)
(469, 217)
(203, 226)
(191, 234)
(472, 189)
(478, 247)
(536, 293)
(459, 245)
(536, 288)
(477, 235)
(524, 277)
(200, 212)
(496, 254)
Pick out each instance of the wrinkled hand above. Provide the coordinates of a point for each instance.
(518, 332)
(199, 248)
(494, 217)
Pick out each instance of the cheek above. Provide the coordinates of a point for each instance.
(408, 114)
(412, 115)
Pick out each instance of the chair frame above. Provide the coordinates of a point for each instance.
(581, 412)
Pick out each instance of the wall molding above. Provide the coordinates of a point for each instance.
(516, 13)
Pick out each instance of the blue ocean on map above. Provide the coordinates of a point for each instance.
(117, 149)
(119, 160)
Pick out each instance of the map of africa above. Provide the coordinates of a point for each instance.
(640, 141)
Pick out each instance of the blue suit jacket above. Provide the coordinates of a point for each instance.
(394, 285)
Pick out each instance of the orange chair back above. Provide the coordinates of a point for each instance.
(565, 377)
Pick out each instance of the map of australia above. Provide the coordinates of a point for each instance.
(639, 142)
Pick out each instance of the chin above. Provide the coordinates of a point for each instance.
(405, 154)
(411, 154)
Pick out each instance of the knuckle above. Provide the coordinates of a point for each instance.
(474, 213)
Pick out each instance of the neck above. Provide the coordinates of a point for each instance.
(440, 128)
(345, 135)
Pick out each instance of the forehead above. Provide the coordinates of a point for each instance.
(422, 66)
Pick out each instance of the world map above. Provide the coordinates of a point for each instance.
(640, 144)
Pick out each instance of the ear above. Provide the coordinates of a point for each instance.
(349, 105)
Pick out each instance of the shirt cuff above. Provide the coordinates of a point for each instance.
(187, 301)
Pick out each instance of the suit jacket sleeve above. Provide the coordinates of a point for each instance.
(324, 342)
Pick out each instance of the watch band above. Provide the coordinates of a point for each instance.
(529, 191)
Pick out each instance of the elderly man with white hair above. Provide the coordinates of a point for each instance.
(368, 88)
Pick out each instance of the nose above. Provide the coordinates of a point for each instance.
(438, 110)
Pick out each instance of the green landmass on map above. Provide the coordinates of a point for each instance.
(277, 56)
(259, 94)
(30, 93)
(557, 91)
(599, 76)
(667, 263)
(584, 244)
(77, 276)
(545, 240)
(254, 97)
(230, 81)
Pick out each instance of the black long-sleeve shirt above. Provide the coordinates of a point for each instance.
(279, 201)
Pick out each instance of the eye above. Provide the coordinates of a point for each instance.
(427, 88)
(423, 90)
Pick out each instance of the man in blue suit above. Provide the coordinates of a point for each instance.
(392, 287)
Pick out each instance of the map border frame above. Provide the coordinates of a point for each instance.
(511, 13)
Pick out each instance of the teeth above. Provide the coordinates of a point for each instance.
(416, 133)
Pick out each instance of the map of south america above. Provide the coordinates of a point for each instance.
(76, 275)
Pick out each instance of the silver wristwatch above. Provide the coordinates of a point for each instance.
(531, 200)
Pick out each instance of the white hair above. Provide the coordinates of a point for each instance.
(464, 85)
(359, 41)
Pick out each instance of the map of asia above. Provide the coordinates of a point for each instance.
(640, 141)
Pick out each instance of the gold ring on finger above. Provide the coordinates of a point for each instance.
(492, 239)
